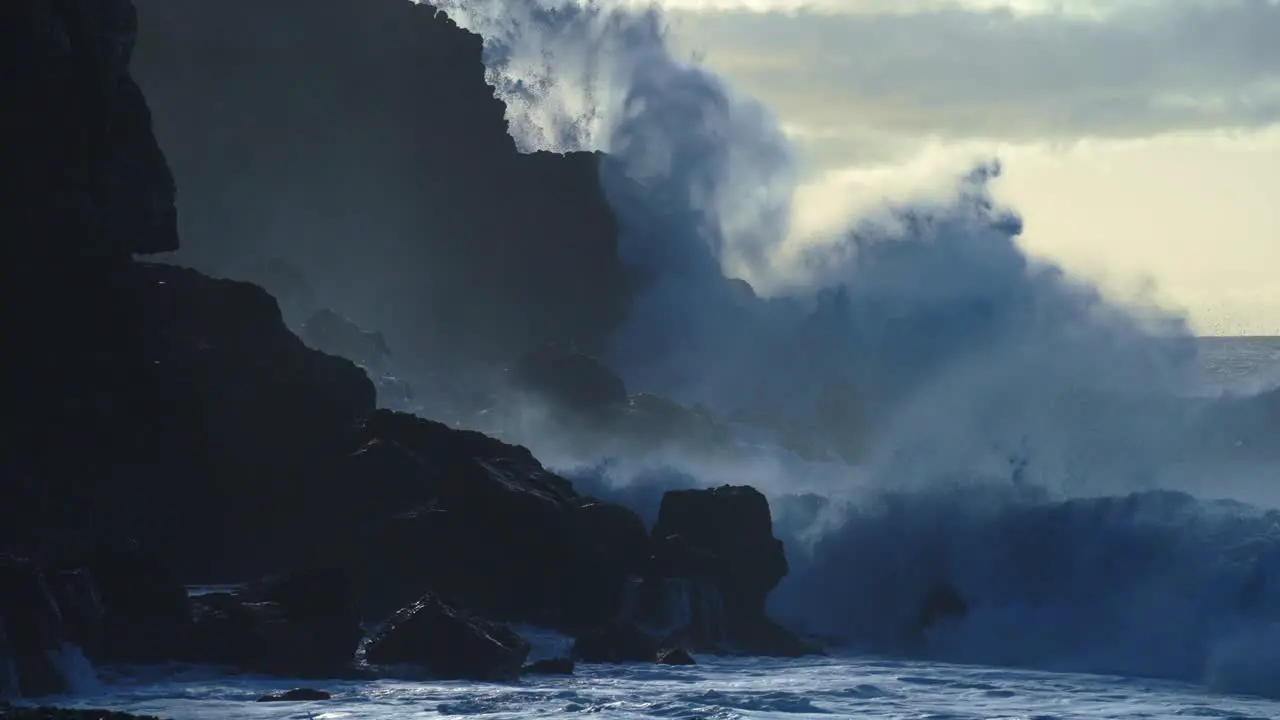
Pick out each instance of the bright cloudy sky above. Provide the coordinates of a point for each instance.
(1141, 138)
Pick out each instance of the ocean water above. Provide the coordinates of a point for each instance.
(717, 688)
(1215, 675)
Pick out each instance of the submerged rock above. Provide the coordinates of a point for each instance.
(676, 656)
(449, 643)
(296, 695)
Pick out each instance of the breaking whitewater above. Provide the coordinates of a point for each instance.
(979, 426)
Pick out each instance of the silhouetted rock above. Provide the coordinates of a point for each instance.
(655, 419)
(359, 140)
(285, 281)
(296, 695)
(448, 643)
(676, 656)
(155, 404)
(569, 382)
(300, 624)
(335, 334)
(724, 536)
(549, 666)
(616, 642)
(146, 613)
(80, 604)
(522, 544)
(733, 525)
(81, 161)
(33, 627)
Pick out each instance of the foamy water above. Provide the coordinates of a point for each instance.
(718, 688)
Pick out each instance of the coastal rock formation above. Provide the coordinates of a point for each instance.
(163, 428)
(720, 541)
(359, 141)
(449, 643)
(298, 624)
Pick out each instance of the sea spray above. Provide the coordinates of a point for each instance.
(994, 415)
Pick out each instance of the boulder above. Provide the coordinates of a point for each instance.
(676, 656)
(523, 545)
(616, 642)
(733, 525)
(296, 695)
(33, 626)
(448, 643)
(724, 536)
(300, 624)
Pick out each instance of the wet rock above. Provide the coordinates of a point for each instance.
(83, 615)
(523, 545)
(33, 627)
(676, 656)
(549, 666)
(296, 695)
(449, 643)
(299, 624)
(616, 642)
(146, 613)
(724, 536)
(734, 526)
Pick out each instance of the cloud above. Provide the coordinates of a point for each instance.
(951, 71)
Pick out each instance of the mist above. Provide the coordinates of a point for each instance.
(955, 396)
(1006, 436)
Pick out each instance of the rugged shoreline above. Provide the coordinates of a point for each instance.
(169, 429)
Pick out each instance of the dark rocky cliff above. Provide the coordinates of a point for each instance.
(359, 140)
(161, 426)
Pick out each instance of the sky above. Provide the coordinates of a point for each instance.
(1140, 138)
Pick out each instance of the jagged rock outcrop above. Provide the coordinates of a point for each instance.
(727, 535)
(359, 140)
(568, 382)
(83, 180)
(163, 427)
(723, 537)
(33, 628)
(335, 334)
(448, 643)
(297, 624)
(296, 695)
(522, 544)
